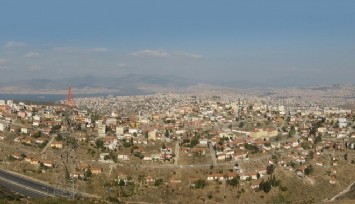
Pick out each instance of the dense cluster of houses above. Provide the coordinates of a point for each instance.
(235, 129)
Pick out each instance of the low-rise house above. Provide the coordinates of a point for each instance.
(192, 181)
(203, 142)
(76, 175)
(57, 144)
(221, 156)
(3, 126)
(332, 181)
(287, 146)
(27, 140)
(149, 179)
(81, 138)
(175, 180)
(156, 157)
(24, 130)
(240, 155)
(40, 140)
(246, 176)
(18, 139)
(96, 170)
(301, 168)
(215, 176)
(17, 155)
(254, 185)
(84, 166)
(123, 157)
(35, 123)
(34, 161)
(122, 177)
(147, 158)
(27, 159)
(48, 163)
(103, 155)
(231, 175)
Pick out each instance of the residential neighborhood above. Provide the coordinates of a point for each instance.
(178, 141)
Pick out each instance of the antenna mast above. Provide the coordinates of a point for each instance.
(70, 98)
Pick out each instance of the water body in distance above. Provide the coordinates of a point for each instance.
(52, 98)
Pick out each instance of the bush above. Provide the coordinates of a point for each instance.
(139, 155)
(280, 199)
(158, 182)
(251, 147)
(283, 188)
(194, 142)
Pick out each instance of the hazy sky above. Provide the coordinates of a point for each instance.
(291, 42)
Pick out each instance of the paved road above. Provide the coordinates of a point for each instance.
(177, 152)
(48, 144)
(347, 189)
(213, 155)
(21, 189)
(184, 166)
(29, 187)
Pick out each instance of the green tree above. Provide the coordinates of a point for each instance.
(308, 170)
(318, 139)
(265, 186)
(310, 155)
(200, 184)
(88, 173)
(194, 142)
(251, 147)
(121, 182)
(55, 128)
(167, 133)
(305, 145)
(59, 137)
(233, 182)
(270, 169)
(292, 132)
(37, 134)
(99, 143)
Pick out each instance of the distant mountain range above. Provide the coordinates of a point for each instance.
(129, 85)
(101, 82)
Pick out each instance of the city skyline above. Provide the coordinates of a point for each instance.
(272, 42)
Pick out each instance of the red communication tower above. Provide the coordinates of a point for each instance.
(70, 98)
